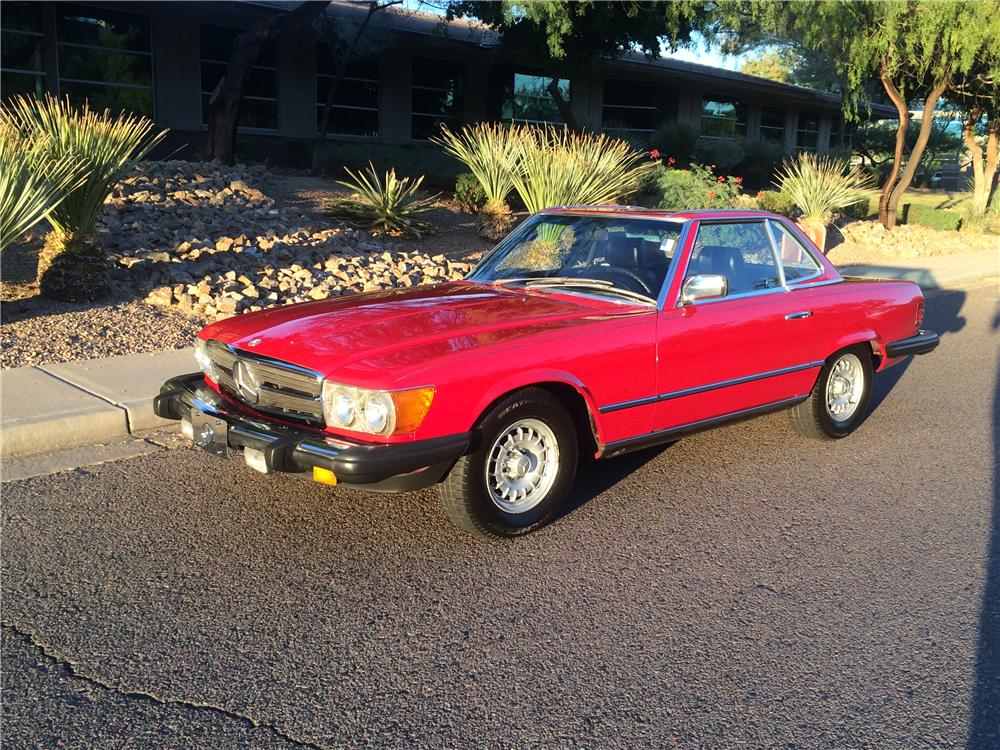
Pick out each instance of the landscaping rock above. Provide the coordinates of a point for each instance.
(214, 233)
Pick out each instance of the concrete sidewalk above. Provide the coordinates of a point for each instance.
(943, 272)
(52, 407)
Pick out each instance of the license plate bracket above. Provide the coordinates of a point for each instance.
(210, 433)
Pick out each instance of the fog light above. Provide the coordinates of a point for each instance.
(324, 476)
(187, 429)
(255, 460)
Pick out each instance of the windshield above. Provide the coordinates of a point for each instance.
(616, 255)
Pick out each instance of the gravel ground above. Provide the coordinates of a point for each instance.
(744, 588)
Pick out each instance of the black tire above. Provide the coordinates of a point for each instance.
(465, 497)
(813, 419)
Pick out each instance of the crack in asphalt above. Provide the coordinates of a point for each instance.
(48, 653)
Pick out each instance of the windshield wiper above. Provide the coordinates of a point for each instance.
(596, 284)
(554, 280)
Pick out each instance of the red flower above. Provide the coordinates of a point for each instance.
(713, 166)
(712, 194)
(721, 178)
(671, 160)
(739, 180)
(655, 153)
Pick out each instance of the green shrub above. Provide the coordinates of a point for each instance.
(858, 211)
(761, 160)
(469, 193)
(697, 187)
(723, 154)
(776, 202)
(675, 140)
(932, 218)
(386, 205)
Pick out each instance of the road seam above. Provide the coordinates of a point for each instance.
(48, 653)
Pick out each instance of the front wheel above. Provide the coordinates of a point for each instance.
(839, 400)
(518, 478)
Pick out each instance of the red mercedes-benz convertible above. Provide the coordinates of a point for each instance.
(588, 331)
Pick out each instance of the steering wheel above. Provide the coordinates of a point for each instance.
(617, 275)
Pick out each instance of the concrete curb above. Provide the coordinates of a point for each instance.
(52, 407)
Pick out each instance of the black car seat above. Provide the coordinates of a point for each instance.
(728, 262)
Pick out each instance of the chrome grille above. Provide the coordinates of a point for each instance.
(284, 389)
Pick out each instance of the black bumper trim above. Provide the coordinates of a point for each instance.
(922, 343)
(296, 450)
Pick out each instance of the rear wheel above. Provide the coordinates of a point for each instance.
(839, 400)
(518, 478)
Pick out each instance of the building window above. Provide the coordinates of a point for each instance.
(259, 107)
(21, 70)
(630, 107)
(355, 107)
(438, 87)
(527, 99)
(807, 135)
(772, 124)
(104, 57)
(841, 134)
(723, 118)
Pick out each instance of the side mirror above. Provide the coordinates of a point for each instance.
(703, 286)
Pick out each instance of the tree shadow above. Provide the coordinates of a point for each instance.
(984, 724)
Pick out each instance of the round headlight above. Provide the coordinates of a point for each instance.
(343, 407)
(377, 411)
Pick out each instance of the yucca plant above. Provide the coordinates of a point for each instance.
(820, 186)
(388, 204)
(106, 147)
(31, 184)
(490, 152)
(557, 167)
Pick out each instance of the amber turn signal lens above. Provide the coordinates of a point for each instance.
(324, 476)
(411, 407)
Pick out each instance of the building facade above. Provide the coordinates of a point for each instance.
(163, 59)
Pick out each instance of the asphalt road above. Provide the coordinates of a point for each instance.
(742, 588)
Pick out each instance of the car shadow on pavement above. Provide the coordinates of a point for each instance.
(943, 316)
(596, 477)
(984, 725)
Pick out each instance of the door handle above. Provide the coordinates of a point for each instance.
(799, 315)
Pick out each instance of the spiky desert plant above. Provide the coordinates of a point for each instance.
(820, 186)
(388, 204)
(558, 167)
(490, 152)
(31, 184)
(72, 265)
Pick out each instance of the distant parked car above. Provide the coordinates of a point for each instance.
(588, 331)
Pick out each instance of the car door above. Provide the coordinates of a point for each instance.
(737, 353)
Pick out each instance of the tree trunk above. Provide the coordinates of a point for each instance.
(564, 107)
(984, 169)
(224, 103)
(926, 127)
(897, 158)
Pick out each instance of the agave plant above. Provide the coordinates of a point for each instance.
(490, 152)
(106, 147)
(388, 204)
(557, 167)
(31, 184)
(820, 186)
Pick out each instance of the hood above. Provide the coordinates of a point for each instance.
(404, 328)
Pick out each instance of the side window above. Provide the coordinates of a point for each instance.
(797, 261)
(739, 251)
